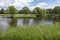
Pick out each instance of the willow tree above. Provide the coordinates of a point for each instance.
(12, 10)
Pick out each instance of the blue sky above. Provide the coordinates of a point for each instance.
(30, 3)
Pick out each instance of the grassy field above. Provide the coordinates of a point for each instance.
(36, 32)
(19, 15)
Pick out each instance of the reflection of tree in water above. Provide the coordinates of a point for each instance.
(54, 18)
(25, 21)
(37, 21)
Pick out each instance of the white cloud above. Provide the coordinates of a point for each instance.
(16, 3)
(41, 5)
(44, 5)
(22, 3)
(52, 6)
(1, 4)
(58, 1)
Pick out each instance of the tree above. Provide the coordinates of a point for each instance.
(12, 10)
(20, 12)
(25, 10)
(49, 14)
(56, 10)
(49, 11)
(2, 11)
(44, 12)
(37, 11)
(54, 13)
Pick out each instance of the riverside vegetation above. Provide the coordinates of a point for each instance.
(36, 32)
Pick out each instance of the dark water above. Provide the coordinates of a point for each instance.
(4, 22)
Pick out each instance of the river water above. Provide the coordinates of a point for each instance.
(4, 22)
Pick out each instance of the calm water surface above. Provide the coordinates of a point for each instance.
(4, 22)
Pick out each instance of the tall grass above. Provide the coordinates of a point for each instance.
(39, 32)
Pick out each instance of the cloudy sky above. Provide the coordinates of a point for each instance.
(30, 3)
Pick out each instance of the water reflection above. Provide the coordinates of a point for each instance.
(4, 22)
(46, 22)
(20, 22)
(31, 21)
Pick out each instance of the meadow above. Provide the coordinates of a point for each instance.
(36, 32)
(19, 15)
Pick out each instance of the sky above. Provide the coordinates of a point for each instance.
(19, 4)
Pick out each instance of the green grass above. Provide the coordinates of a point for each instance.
(5, 15)
(36, 32)
(25, 15)
(19, 15)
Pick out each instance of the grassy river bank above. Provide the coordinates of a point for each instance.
(36, 32)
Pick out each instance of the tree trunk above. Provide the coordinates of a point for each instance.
(13, 22)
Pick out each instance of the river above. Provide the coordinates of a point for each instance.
(4, 22)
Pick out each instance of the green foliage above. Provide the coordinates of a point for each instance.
(25, 10)
(12, 10)
(56, 10)
(44, 12)
(49, 11)
(39, 32)
(54, 13)
(51, 14)
(2, 11)
(37, 10)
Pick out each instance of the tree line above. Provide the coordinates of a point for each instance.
(55, 12)
(26, 10)
(48, 14)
